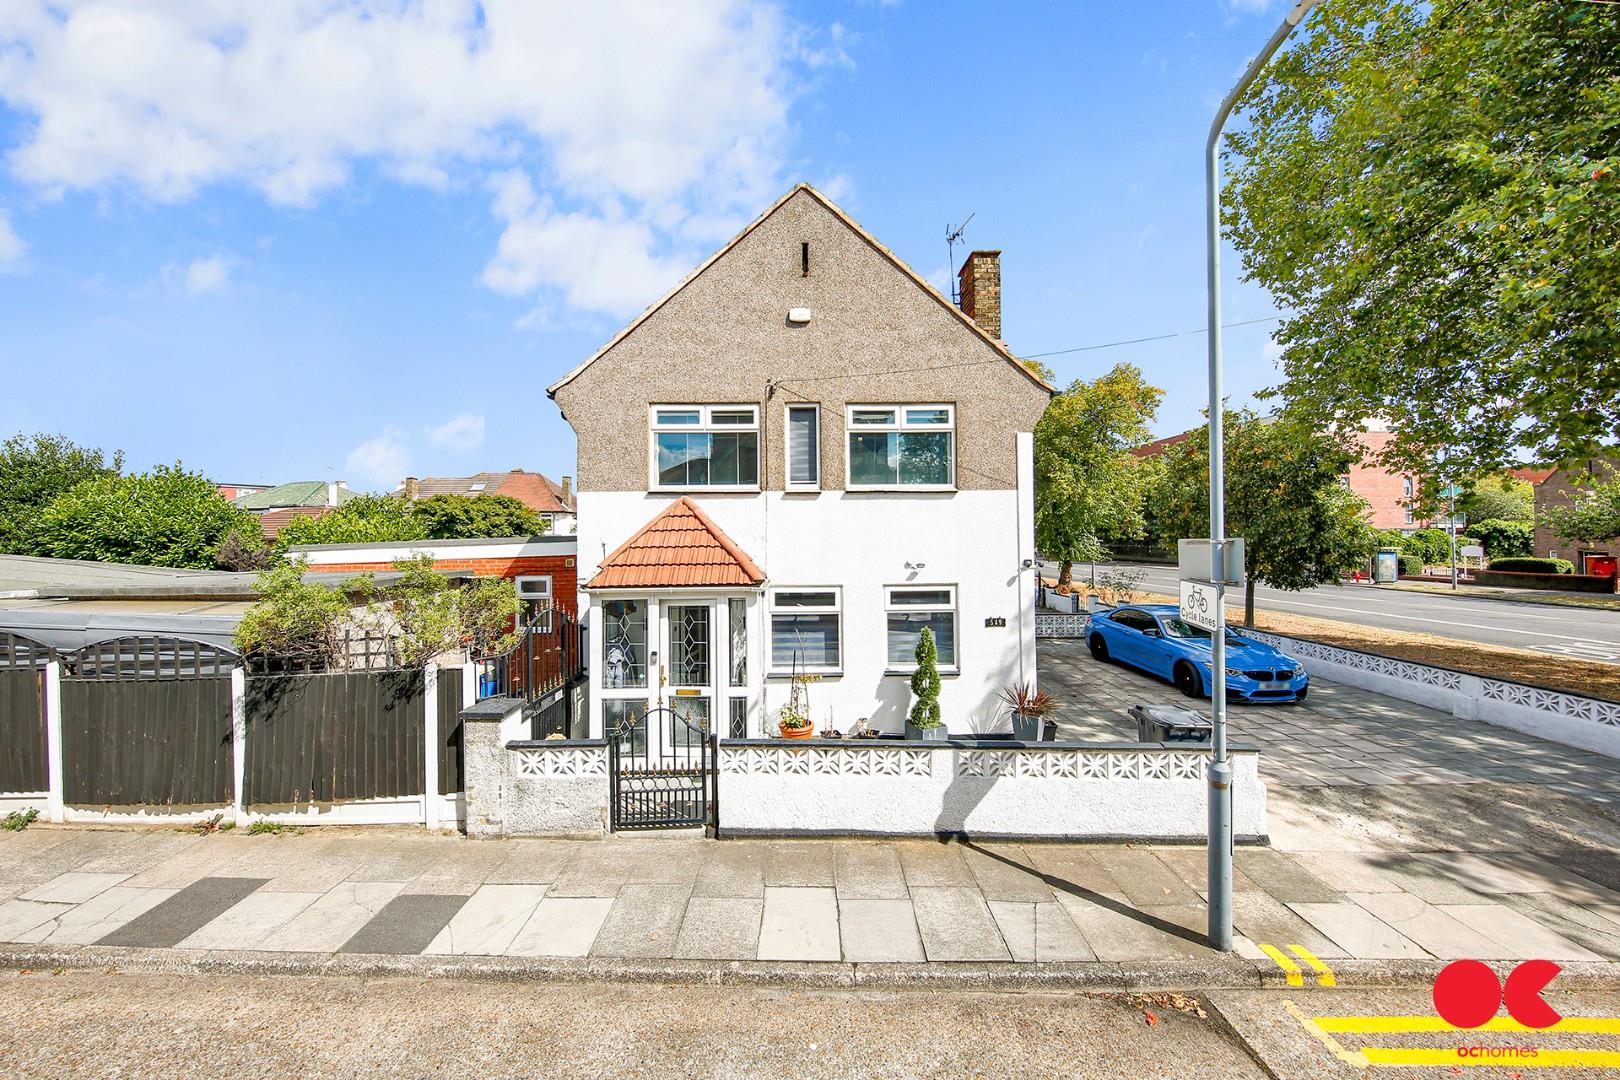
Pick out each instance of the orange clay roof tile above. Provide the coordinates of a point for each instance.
(679, 548)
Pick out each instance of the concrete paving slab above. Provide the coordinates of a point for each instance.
(1487, 875)
(98, 917)
(1057, 939)
(879, 931)
(81, 846)
(1005, 872)
(1016, 922)
(1190, 863)
(1584, 926)
(1143, 878)
(803, 863)
(405, 925)
(148, 849)
(931, 862)
(73, 887)
(660, 862)
(733, 868)
(1521, 936)
(395, 858)
(335, 918)
(562, 926)
(645, 921)
(1282, 877)
(720, 928)
(19, 917)
(1558, 880)
(460, 869)
(183, 914)
(185, 867)
(1428, 880)
(592, 871)
(1117, 931)
(531, 861)
(249, 922)
(956, 924)
(868, 871)
(1072, 869)
(1346, 871)
(1259, 916)
(799, 923)
(488, 922)
(1437, 932)
(1359, 932)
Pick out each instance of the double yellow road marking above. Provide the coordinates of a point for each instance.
(1323, 1028)
(1292, 971)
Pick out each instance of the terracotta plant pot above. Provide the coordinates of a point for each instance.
(797, 733)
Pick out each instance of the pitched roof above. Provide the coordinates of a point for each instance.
(296, 493)
(534, 490)
(679, 548)
(855, 227)
(273, 521)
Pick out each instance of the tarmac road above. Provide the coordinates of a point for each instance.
(1582, 633)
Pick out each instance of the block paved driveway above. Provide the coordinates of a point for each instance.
(857, 901)
(1339, 736)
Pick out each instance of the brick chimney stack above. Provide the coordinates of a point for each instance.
(980, 283)
(413, 488)
(567, 492)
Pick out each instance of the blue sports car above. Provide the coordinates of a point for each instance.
(1154, 638)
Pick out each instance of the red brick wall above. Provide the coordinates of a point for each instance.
(1560, 489)
(1385, 491)
(564, 576)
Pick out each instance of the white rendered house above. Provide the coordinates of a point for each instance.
(796, 460)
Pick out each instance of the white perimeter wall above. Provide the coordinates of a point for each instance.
(975, 540)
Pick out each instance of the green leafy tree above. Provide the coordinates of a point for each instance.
(925, 683)
(1284, 496)
(457, 517)
(1432, 189)
(1499, 498)
(363, 519)
(1088, 484)
(1593, 516)
(1504, 539)
(293, 617)
(167, 517)
(34, 469)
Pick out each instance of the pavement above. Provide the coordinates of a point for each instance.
(1582, 633)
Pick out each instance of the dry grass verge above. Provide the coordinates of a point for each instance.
(1498, 661)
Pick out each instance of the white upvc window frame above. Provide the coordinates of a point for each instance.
(836, 609)
(704, 425)
(523, 582)
(901, 424)
(788, 483)
(950, 607)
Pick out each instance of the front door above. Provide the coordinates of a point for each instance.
(689, 671)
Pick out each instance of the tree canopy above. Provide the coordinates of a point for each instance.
(1088, 484)
(455, 517)
(363, 519)
(1499, 498)
(1433, 190)
(167, 517)
(34, 469)
(1300, 525)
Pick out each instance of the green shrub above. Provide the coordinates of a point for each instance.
(1388, 538)
(1504, 539)
(1532, 566)
(1411, 565)
(167, 517)
(1430, 545)
(925, 683)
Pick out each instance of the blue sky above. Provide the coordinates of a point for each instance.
(322, 240)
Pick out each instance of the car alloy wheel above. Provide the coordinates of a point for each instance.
(1187, 680)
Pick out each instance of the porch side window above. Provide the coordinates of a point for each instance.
(624, 644)
(738, 610)
(901, 446)
(909, 610)
(805, 630)
(804, 446)
(705, 446)
(535, 593)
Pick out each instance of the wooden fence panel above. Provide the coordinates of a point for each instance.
(331, 737)
(22, 730)
(160, 742)
(450, 765)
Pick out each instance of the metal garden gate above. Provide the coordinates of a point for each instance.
(660, 771)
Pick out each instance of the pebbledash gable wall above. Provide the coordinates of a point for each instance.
(874, 336)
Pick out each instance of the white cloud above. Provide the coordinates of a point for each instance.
(12, 248)
(381, 462)
(1247, 7)
(647, 122)
(207, 274)
(460, 433)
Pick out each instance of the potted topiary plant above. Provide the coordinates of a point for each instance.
(1030, 708)
(924, 723)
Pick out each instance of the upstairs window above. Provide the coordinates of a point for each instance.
(902, 446)
(705, 446)
(803, 447)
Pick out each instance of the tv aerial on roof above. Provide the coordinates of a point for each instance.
(953, 236)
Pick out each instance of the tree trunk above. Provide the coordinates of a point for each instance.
(1248, 599)
(1065, 573)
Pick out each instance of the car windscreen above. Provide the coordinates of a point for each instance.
(1180, 628)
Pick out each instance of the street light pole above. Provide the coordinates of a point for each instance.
(1220, 768)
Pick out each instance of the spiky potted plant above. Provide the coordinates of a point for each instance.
(924, 723)
(1030, 708)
